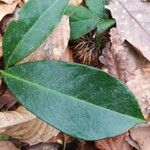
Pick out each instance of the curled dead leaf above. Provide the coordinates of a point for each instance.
(119, 58)
(11, 118)
(140, 137)
(43, 146)
(145, 0)
(116, 143)
(139, 83)
(7, 8)
(23, 125)
(7, 145)
(7, 100)
(7, 1)
(67, 56)
(84, 145)
(131, 19)
(59, 39)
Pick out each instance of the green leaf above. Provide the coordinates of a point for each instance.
(97, 7)
(104, 25)
(36, 21)
(82, 21)
(79, 100)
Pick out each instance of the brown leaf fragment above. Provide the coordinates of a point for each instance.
(133, 23)
(43, 146)
(55, 45)
(32, 132)
(23, 125)
(7, 1)
(75, 2)
(67, 56)
(145, 0)
(141, 137)
(7, 145)
(7, 100)
(59, 39)
(7, 8)
(139, 83)
(116, 143)
(84, 145)
(119, 58)
(10, 118)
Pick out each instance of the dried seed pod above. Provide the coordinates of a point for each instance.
(88, 48)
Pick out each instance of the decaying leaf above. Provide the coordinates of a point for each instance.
(7, 145)
(11, 118)
(55, 46)
(1, 45)
(132, 23)
(86, 145)
(67, 56)
(145, 0)
(141, 138)
(7, 1)
(139, 83)
(116, 143)
(120, 59)
(7, 100)
(59, 39)
(76, 2)
(23, 125)
(7, 8)
(43, 146)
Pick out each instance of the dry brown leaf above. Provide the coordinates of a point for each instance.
(55, 46)
(59, 39)
(116, 143)
(139, 83)
(11, 118)
(119, 58)
(23, 125)
(7, 100)
(32, 132)
(43, 146)
(1, 39)
(141, 138)
(75, 2)
(133, 23)
(84, 145)
(7, 8)
(67, 56)
(7, 145)
(7, 1)
(145, 0)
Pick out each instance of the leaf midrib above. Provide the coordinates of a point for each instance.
(60, 93)
(13, 51)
